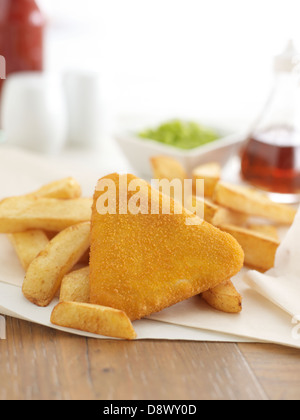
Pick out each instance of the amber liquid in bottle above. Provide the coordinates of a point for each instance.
(271, 160)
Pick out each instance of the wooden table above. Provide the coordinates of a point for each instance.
(39, 363)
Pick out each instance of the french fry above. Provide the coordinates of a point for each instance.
(224, 298)
(66, 188)
(83, 260)
(252, 202)
(165, 167)
(18, 214)
(211, 174)
(75, 286)
(94, 319)
(260, 250)
(216, 215)
(28, 245)
(266, 230)
(45, 273)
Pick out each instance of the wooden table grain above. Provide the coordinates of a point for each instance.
(39, 363)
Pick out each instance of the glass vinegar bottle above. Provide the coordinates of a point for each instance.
(271, 156)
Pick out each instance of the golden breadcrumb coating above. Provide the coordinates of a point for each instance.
(144, 263)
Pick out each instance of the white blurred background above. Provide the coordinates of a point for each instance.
(204, 59)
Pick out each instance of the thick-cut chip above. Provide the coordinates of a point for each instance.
(224, 298)
(252, 202)
(18, 214)
(143, 263)
(94, 319)
(266, 230)
(260, 250)
(28, 245)
(75, 286)
(165, 167)
(64, 189)
(45, 273)
(216, 215)
(211, 174)
(168, 169)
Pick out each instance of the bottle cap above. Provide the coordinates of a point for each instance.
(288, 59)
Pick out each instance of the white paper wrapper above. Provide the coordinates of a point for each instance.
(281, 284)
(194, 320)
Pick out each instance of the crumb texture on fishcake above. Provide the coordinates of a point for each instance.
(144, 263)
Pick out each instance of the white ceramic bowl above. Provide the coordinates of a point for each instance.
(139, 151)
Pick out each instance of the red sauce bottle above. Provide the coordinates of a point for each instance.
(271, 155)
(21, 36)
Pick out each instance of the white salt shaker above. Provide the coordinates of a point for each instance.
(33, 112)
(85, 109)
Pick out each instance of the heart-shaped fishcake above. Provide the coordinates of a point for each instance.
(142, 262)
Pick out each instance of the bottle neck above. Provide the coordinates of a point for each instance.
(283, 106)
